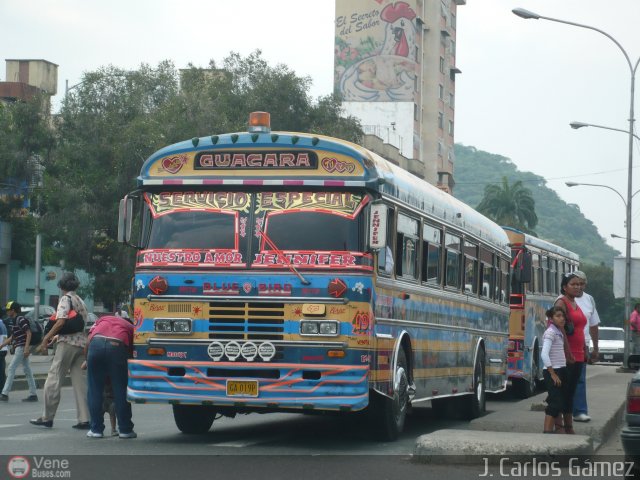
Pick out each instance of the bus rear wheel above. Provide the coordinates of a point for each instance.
(475, 405)
(389, 414)
(193, 419)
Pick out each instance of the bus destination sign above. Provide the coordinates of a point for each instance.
(255, 160)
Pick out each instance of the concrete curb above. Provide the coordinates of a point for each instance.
(20, 383)
(468, 447)
(514, 428)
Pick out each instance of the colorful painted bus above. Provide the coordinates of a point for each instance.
(538, 266)
(283, 271)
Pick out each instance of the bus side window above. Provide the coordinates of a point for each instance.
(470, 268)
(431, 254)
(504, 273)
(407, 247)
(536, 285)
(553, 276)
(453, 261)
(486, 273)
(385, 255)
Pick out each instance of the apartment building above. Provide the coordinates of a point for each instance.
(395, 70)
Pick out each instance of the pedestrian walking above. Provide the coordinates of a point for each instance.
(634, 323)
(20, 341)
(588, 306)
(555, 370)
(110, 345)
(3, 355)
(69, 355)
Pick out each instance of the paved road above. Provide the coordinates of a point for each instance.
(278, 444)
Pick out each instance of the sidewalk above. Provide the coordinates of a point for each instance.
(514, 428)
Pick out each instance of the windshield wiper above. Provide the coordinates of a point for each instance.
(283, 256)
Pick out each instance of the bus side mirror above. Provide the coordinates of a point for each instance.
(378, 226)
(125, 218)
(522, 267)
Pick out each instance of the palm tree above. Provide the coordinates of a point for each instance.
(510, 205)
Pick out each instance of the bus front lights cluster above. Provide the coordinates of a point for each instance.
(323, 328)
(167, 325)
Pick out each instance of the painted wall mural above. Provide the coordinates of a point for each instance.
(374, 51)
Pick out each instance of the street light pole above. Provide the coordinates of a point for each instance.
(613, 235)
(526, 14)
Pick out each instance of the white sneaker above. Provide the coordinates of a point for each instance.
(583, 417)
(92, 434)
(131, 434)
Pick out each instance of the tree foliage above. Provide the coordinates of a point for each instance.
(26, 142)
(114, 119)
(510, 205)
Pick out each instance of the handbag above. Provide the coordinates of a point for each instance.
(73, 324)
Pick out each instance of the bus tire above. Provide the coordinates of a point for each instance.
(527, 388)
(475, 405)
(389, 414)
(193, 419)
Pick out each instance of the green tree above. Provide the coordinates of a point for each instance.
(558, 222)
(26, 143)
(600, 287)
(510, 205)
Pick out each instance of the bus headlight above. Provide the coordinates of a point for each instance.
(328, 328)
(162, 326)
(167, 325)
(181, 326)
(324, 328)
(308, 328)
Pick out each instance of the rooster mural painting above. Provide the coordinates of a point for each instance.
(386, 73)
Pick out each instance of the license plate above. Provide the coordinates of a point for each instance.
(242, 388)
(608, 356)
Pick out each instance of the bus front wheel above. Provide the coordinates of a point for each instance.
(193, 419)
(389, 414)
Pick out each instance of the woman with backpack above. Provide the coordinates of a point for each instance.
(20, 341)
(69, 356)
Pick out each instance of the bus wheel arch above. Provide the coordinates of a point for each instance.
(475, 404)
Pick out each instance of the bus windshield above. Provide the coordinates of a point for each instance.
(313, 231)
(191, 229)
(255, 230)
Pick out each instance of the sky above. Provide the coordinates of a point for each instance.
(522, 81)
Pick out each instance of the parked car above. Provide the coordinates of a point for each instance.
(610, 344)
(45, 312)
(630, 434)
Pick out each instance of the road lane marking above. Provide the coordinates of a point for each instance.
(249, 443)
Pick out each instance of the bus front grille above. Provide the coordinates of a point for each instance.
(246, 321)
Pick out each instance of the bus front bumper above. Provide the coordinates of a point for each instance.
(277, 386)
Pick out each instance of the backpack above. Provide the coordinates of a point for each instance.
(36, 331)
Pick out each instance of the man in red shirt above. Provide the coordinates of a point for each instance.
(634, 323)
(109, 346)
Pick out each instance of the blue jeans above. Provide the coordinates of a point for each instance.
(108, 357)
(580, 397)
(19, 359)
(3, 368)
